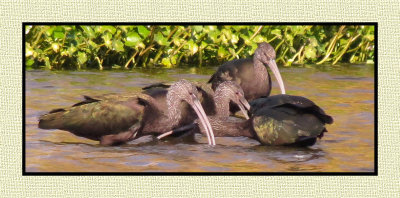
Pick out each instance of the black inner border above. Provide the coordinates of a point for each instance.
(375, 173)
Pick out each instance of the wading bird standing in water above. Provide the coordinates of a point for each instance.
(251, 74)
(113, 118)
(225, 93)
(276, 120)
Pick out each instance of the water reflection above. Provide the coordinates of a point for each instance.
(344, 92)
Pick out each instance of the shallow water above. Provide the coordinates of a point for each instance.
(344, 92)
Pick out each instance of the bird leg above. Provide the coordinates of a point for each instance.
(183, 129)
(120, 138)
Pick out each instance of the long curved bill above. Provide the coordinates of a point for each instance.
(244, 107)
(204, 121)
(274, 68)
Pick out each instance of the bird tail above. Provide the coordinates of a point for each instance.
(52, 120)
(305, 141)
(211, 79)
(157, 85)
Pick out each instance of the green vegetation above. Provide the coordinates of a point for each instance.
(105, 47)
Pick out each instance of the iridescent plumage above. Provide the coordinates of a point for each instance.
(275, 120)
(115, 118)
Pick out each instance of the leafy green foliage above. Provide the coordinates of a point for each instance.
(81, 47)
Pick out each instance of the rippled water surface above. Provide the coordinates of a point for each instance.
(345, 92)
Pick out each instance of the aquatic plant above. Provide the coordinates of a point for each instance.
(129, 46)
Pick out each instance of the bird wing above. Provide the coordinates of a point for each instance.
(283, 100)
(95, 117)
(285, 125)
(230, 71)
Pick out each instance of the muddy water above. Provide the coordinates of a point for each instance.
(345, 92)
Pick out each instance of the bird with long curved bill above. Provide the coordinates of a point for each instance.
(225, 93)
(114, 118)
(275, 120)
(251, 73)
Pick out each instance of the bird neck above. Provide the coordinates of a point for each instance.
(243, 129)
(260, 71)
(174, 112)
(221, 104)
(231, 127)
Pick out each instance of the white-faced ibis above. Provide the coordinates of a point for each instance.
(276, 120)
(251, 74)
(225, 93)
(114, 118)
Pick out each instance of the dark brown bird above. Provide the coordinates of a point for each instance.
(251, 74)
(113, 118)
(288, 120)
(225, 93)
(276, 120)
(159, 91)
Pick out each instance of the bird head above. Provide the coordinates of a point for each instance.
(266, 54)
(183, 90)
(231, 90)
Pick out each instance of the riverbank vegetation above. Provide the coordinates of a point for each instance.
(60, 47)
